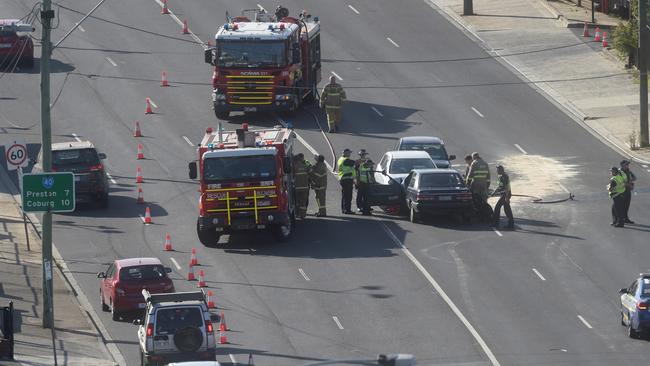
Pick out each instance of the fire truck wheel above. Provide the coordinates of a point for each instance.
(222, 114)
(207, 237)
(282, 233)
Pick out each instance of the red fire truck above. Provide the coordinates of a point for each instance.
(246, 182)
(270, 63)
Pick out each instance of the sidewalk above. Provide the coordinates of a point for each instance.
(542, 40)
(77, 340)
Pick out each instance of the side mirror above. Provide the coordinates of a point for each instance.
(101, 275)
(208, 56)
(623, 291)
(168, 270)
(137, 322)
(452, 157)
(192, 167)
(102, 156)
(286, 165)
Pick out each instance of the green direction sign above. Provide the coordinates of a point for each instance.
(52, 192)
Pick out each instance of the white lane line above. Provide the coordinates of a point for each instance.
(110, 177)
(393, 42)
(180, 23)
(539, 274)
(520, 149)
(377, 111)
(81, 28)
(304, 275)
(76, 137)
(645, 166)
(477, 112)
(152, 103)
(178, 266)
(648, 170)
(110, 61)
(497, 232)
(585, 322)
(337, 321)
(563, 188)
(444, 296)
(337, 76)
(188, 140)
(261, 8)
(353, 9)
(232, 358)
(142, 218)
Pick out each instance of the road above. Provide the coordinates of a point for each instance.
(347, 287)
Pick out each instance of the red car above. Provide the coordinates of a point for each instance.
(16, 47)
(120, 288)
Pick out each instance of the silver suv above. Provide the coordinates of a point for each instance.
(175, 327)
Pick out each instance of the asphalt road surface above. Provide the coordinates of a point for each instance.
(347, 287)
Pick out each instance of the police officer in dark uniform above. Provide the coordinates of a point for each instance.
(629, 186)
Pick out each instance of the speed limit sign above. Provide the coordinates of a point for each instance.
(16, 154)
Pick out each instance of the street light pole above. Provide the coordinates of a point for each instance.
(643, 74)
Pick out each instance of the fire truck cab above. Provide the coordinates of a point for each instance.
(269, 63)
(245, 182)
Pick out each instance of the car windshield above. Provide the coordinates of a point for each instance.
(403, 166)
(436, 151)
(440, 180)
(251, 54)
(142, 273)
(239, 167)
(645, 287)
(75, 157)
(170, 320)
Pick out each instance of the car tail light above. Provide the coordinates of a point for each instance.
(119, 291)
(208, 327)
(424, 197)
(150, 330)
(465, 196)
(96, 168)
(642, 305)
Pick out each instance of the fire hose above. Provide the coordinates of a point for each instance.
(538, 200)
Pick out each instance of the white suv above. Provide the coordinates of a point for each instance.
(175, 327)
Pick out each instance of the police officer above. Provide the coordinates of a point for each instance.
(347, 174)
(301, 184)
(630, 178)
(478, 181)
(318, 181)
(364, 167)
(332, 98)
(616, 189)
(504, 193)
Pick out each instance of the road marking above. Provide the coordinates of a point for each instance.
(477, 112)
(584, 322)
(337, 321)
(353, 9)
(377, 111)
(81, 28)
(539, 274)
(563, 188)
(232, 358)
(648, 170)
(304, 275)
(520, 149)
(645, 166)
(180, 23)
(393, 42)
(444, 296)
(110, 177)
(110, 61)
(152, 103)
(497, 232)
(76, 137)
(178, 266)
(337, 76)
(187, 140)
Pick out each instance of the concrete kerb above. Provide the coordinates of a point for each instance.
(72, 285)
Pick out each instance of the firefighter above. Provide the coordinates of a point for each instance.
(347, 174)
(318, 181)
(478, 181)
(364, 168)
(301, 184)
(504, 193)
(616, 190)
(332, 98)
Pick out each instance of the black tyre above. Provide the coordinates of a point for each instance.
(207, 237)
(282, 233)
(103, 200)
(27, 62)
(224, 115)
(188, 339)
(631, 332)
(101, 299)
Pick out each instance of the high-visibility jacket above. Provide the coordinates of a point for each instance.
(504, 185)
(616, 185)
(346, 168)
(318, 176)
(364, 172)
(332, 96)
(478, 172)
(301, 175)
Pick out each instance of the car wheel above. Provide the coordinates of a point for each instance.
(413, 215)
(207, 237)
(114, 314)
(631, 332)
(101, 299)
(143, 360)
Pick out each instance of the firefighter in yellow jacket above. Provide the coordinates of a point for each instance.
(332, 98)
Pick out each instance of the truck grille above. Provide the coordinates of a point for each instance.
(249, 90)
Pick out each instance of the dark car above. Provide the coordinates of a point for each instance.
(434, 146)
(120, 286)
(635, 306)
(436, 192)
(82, 159)
(16, 47)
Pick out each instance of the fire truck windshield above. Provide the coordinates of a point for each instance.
(251, 54)
(239, 168)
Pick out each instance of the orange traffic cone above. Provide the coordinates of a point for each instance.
(164, 9)
(168, 243)
(147, 215)
(193, 260)
(201, 279)
(223, 339)
(250, 360)
(164, 81)
(140, 153)
(138, 175)
(140, 195)
(605, 42)
(597, 37)
(190, 274)
(137, 132)
(222, 323)
(211, 304)
(186, 30)
(585, 30)
(148, 110)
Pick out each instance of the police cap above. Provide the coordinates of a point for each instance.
(625, 162)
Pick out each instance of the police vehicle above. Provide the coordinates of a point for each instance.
(635, 301)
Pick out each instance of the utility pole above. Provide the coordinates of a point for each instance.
(643, 73)
(468, 7)
(47, 14)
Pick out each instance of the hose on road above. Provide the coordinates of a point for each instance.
(542, 201)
